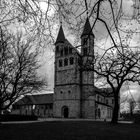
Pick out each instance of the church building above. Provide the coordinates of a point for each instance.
(75, 95)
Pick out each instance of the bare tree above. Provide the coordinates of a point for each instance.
(110, 13)
(18, 69)
(115, 69)
(117, 63)
(35, 18)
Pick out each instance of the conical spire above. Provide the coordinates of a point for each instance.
(87, 29)
(61, 36)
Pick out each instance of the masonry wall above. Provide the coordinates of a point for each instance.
(39, 110)
(88, 107)
(106, 112)
(67, 83)
(73, 107)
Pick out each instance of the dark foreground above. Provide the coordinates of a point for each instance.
(69, 130)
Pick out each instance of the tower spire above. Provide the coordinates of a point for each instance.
(87, 28)
(61, 36)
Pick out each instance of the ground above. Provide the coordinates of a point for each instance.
(69, 130)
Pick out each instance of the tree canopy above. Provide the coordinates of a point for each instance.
(18, 69)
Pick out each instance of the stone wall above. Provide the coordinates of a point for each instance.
(88, 107)
(67, 92)
(73, 108)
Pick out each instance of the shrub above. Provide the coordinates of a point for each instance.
(12, 117)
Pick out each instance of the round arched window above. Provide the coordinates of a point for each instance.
(65, 62)
(71, 60)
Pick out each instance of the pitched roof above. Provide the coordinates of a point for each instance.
(87, 28)
(106, 92)
(61, 36)
(103, 104)
(36, 99)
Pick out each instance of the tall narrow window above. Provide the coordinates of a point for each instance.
(85, 41)
(79, 61)
(107, 101)
(84, 51)
(60, 63)
(71, 60)
(70, 50)
(112, 101)
(57, 48)
(61, 53)
(98, 98)
(66, 51)
(65, 62)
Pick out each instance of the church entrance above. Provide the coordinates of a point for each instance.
(65, 111)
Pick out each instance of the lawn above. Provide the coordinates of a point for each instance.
(69, 130)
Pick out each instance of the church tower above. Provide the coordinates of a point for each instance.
(66, 87)
(75, 95)
(87, 53)
(87, 40)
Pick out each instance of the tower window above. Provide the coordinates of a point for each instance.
(70, 50)
(61, 53)
(79, 61)
(71, 60)
(60, 63)
(112, 101)
(84, 51)
(106, 101)
(57, 48)
(66, 51)
(69, 91)
(85, 41)
(65, 62)
(98, 98)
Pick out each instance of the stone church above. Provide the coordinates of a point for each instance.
(75, 95)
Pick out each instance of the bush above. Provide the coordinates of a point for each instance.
(12, 117)
(137, 118)
(131, 117)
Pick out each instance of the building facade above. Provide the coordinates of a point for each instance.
(75, 95)
(40, 105)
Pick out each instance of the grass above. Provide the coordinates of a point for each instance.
(69, 130)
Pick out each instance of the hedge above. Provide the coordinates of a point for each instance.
(13, 117)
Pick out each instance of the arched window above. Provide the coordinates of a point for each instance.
(60, 63)
(71, 60)
(66, 51)
(65, 62)
(70, 50)
(79, 61)
(84, 51)
(112, 101)
(99, 113)
(57, 49)
(107, 101)
(85, 41)
(61, 52)
(98, 98)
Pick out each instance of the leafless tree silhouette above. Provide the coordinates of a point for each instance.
(18, 69)
(116, 64)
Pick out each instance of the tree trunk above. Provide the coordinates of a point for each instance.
(115, 109)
